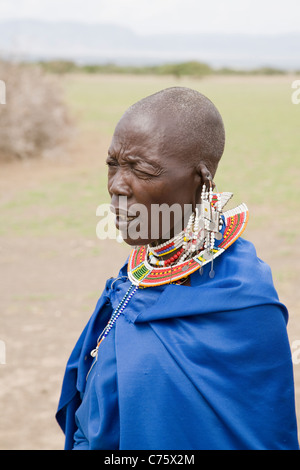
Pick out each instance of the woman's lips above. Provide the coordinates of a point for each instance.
(122, 222)
(123, 219)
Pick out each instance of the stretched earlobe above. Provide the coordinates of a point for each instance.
(206, 176)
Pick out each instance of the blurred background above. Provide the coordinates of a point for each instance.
(68, 70)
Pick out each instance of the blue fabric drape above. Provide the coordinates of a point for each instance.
(206, 366)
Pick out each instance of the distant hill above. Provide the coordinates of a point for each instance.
(101, 43)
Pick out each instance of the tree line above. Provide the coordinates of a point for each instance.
(191, 68)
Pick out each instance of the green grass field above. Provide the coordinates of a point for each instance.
(260, 164)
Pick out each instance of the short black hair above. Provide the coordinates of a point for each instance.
(200, 125)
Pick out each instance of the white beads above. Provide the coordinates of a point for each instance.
(177, 242)
(117, 312)
(196, 224)
(199, 235)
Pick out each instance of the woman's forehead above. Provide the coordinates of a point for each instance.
(138, 133)
(155, 133)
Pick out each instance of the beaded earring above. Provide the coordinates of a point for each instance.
(192, 248)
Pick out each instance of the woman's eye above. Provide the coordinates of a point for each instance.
(111, 163)
(140, 172)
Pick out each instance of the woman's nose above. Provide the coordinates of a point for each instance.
(119, 183)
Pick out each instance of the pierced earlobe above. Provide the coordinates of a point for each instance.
(206, 176)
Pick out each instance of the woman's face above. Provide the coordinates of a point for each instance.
(146, 177)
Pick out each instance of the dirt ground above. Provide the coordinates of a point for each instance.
(49, 287)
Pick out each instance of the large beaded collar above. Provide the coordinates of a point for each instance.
(208, 234)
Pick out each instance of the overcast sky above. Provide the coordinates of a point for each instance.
(165, 16)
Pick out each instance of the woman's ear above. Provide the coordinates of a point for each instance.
(205, 175)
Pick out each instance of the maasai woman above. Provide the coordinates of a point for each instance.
(187, 347)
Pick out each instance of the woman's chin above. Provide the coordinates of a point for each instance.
(135, 242)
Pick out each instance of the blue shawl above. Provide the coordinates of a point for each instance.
(206, 366)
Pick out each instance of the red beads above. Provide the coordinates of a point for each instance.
(165, 248)
(174, 257)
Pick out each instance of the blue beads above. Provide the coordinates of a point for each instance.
(118, 311)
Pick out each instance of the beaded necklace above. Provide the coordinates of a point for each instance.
(117, 312)
(195, 245)
(192, 249)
